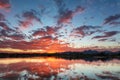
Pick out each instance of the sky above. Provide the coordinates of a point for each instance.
(38, 26)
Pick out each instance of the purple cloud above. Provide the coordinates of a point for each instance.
(4, 26)
(67, 15)
(111, 19)
(2, 17)
(46, 31)
(29, 17)
(106, 35)
(5, 4)
(85, 30)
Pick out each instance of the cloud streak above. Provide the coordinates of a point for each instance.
(106, 35)
(112, 19)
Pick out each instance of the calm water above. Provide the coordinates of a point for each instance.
(58, 69)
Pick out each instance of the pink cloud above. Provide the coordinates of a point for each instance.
(67, 16)
(29, 17)
(5, 4)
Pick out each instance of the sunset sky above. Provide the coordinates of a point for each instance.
(59, 25)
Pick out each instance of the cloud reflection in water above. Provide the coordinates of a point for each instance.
(58, 69)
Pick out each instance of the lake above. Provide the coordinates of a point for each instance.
(50, 68)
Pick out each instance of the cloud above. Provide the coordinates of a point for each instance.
(114, 23)
(111, 33)
(29, 17)
(67, 15)
(16, 40)
(2, 17)
(106, 35)
(47, 31)
(102, 39)
(40, 32)
(17, 36)
(107, 75)
(11, 38)
(5, 4)
(51, 30)
(11, 35)
(111, 19)
(85, 30)
(47, 43)
(4, 26)
(25, 24)
(8, 33)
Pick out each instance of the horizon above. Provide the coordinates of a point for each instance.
(60, 52)
(54, 26)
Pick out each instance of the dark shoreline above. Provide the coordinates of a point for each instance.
(86, 55)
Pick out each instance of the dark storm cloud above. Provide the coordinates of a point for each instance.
(5, 4)
(85, 30)
(106, 35)
(111, 19)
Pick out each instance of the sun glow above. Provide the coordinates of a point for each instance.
(10, 50)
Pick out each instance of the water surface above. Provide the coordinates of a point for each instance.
(50, 68)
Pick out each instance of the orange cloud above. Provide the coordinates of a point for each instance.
(48, 44)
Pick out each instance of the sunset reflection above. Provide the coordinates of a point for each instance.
(53, 68)
(59, 39)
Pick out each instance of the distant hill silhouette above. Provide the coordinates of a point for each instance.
(89, 54)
